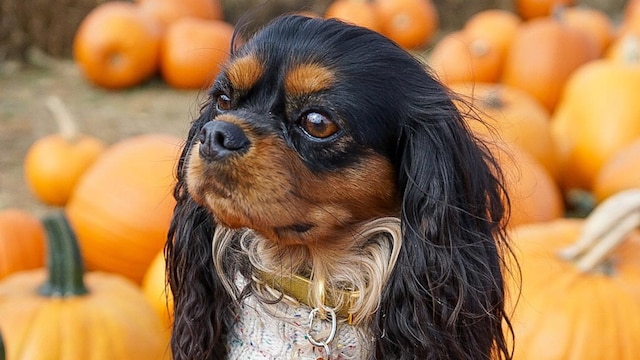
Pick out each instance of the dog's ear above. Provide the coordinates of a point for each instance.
(444, 298)
(201, 304)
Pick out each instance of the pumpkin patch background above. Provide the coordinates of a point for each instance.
(550, 111)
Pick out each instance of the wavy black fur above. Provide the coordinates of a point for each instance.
(445, 297)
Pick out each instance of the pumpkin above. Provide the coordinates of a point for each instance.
(193, 50)
(357, 12)
(580, 288)
(410, 23)
(514, 116)
(543, 55)
(54, 163)
(529, 9)
(21, 241)
(62, 313)
(122, 206)
(116, 45)
(497, 26)
(619, 173)
(464, 57)
(157, 291)
(597, 116)
(169, 11)
(593, 22)
(533, 194)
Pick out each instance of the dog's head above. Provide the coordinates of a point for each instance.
(312, 129)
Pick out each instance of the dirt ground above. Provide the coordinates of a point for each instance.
(109, 115)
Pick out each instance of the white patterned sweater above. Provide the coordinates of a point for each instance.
(260, 334)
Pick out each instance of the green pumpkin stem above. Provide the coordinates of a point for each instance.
(64, 261)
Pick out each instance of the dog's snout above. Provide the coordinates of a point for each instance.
(220, 139)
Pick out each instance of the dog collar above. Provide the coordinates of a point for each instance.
(297, 287)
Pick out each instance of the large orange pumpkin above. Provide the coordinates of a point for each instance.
(54, 163)
(543, 55)
(533, 193)
(116, 46)
(169, 11)
(597, 116)
(62, 313)
(529, 9)
(410, 23)
(122, 206)
(514, 116)
(156, 289)
(620, 173)
(357, 12)
(22, 240)
(193, 50)
(497, 26)
(586, 307)
(595, 23)
(465, 57)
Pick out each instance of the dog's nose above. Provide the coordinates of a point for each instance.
(220, 139)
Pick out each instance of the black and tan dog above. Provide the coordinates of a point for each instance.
(331, 203)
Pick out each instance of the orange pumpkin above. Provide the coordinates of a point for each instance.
(357, 12)
(116, 46)
(63, 313)
(410, 23)
(168, 11)
(157, 291)
(21, 241)
(542, 56)
(497, 26)
(581, 305)
(122, 206)
(619, 173)
(597, 116)
(529, 9)
(193, 50)
(461, 57)
(514, 116)
(533, 193)
(54, 163)
(593, 22)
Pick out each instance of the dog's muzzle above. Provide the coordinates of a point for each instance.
(221, 139)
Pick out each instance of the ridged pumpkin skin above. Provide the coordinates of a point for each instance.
(22, 242)
(114, 321)
(62, 313)
(122, 206)
(155, 287)
(563, 313)
(598, 115)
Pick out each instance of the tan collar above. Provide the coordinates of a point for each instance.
(297, 287)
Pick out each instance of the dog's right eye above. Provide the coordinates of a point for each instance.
(223, 102)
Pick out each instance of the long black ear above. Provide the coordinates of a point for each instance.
(445, 297)
(202, 308)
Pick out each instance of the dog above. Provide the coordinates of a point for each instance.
(333, 204)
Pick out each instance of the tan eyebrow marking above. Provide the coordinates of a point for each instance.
(244, 72)
(308, 78)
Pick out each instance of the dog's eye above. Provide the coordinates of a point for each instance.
(318, 125)
(223, 102)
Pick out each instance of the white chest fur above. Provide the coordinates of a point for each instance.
(281, 333)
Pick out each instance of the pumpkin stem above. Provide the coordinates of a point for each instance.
(64, 261)
(66, 125)
(605, 228)
(631, 49)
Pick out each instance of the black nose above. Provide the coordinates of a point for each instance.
(220, 139)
